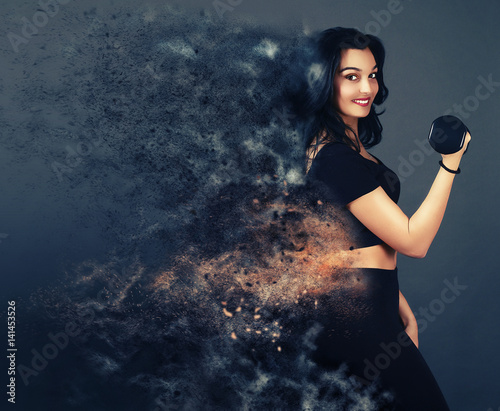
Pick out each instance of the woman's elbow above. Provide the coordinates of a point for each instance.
(418, 254)
(412, 247)
(414, 252)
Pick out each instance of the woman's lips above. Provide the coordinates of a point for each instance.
(363, 102)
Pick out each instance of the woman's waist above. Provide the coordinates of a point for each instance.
(363, 313)
(360, 293)
(362, 303)
(380, 256)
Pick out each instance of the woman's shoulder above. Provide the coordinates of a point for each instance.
(341, 174)
(333, 146)
(337, 152)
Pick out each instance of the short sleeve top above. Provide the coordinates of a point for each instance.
(343, 175)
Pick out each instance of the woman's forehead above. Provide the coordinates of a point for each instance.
(358, 59)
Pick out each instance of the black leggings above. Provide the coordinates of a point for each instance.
(362, 329)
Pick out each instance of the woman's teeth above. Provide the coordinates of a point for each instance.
(362, 102)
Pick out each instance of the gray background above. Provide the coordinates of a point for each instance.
(435, 55)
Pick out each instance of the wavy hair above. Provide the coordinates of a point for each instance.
(312, 93)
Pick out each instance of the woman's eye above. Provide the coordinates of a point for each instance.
(353, 77)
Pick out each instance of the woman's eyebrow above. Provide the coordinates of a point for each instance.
(355, 68)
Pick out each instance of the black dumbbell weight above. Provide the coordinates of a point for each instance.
(447, 134)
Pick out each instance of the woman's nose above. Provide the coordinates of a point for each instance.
(365, 86)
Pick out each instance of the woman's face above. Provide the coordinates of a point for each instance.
(355, 84)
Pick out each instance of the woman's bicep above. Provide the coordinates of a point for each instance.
(382, 216)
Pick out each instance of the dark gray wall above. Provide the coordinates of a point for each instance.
(438, 55)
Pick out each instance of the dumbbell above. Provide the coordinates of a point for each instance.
(447, 134)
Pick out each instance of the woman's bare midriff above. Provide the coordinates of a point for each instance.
(377, 256)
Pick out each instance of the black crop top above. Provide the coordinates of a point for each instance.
(345, 175)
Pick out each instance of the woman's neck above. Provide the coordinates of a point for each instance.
(353, 124)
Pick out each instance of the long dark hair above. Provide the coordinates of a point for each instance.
(312, 90)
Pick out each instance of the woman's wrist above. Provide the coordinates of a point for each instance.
(452, 163)
(449, 170)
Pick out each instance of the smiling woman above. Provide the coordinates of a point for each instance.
(338, 120)
(356, 85)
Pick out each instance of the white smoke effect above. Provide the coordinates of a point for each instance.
(162, 125)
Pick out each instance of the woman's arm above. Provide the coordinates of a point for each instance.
(410, 236)
(408, 318)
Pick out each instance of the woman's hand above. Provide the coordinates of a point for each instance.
(412, 330)
(453, 160)
(409, 236)
(408, 318)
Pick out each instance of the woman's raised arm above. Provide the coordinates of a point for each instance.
(409, 236)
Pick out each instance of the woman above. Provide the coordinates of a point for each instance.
(344, 84)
